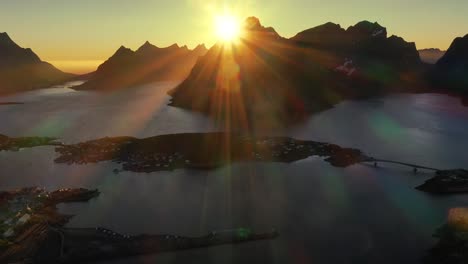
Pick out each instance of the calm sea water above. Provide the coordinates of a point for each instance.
(324, 214)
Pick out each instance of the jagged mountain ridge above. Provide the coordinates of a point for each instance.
(364, 42)
(147, 64)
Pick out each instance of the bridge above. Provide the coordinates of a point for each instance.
(414, 166)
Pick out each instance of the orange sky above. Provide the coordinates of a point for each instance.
(78, 35)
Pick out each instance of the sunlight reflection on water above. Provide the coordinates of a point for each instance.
(324, 214)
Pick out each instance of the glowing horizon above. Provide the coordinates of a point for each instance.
(86, 32)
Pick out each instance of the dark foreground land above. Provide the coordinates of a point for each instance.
(33, 232)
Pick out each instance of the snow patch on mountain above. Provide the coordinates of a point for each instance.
(377, 32)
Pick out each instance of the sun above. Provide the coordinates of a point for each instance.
(227, 27)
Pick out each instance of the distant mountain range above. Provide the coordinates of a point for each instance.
(21, 69)
(266, 76)
(147, 64)
(431, 56)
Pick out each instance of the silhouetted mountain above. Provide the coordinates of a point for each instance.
(326, 36)
(147, 64)
(21, 69)
(451, 71)
(431, 56)
(366, 44)
(264, 76)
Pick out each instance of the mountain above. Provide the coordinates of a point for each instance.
(271, 79)
(21, 69)
(366, 45)
(431, 56)
(451, 71)
(147, 64)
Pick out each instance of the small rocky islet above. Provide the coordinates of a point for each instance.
(447, 182)
(32, 231)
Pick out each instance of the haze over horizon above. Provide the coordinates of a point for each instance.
(77, 36)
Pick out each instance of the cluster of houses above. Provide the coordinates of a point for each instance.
(147, 162)
(112, 234)
(278, 148)
(17, 211)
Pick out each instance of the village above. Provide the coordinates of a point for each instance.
(23, 208)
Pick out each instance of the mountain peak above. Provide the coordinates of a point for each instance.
(146, 47)
(147, 44)
(6, 40)
(11, 53)
(123, 51)
(253, 24)
(319, 31)
(4, 35)
(326, 35)
(200, 47)
(328, 26)
(367, 28)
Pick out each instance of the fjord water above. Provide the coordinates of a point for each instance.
(324, 214)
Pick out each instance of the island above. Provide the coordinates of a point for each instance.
(447, 182)
(201, 151)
